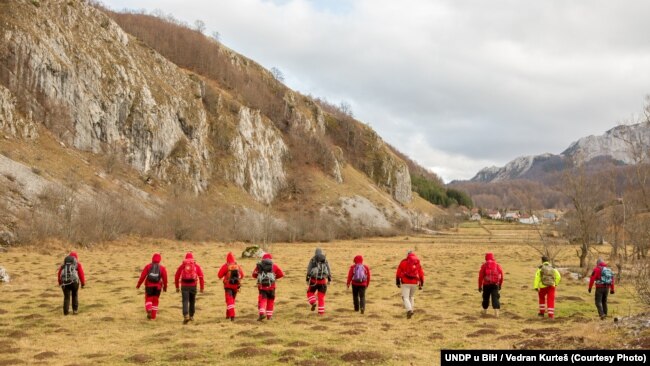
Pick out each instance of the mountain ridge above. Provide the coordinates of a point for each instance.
(614, 144)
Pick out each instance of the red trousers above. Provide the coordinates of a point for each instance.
(151, 305)
(266, 302)
(317, 292)
(547, 301)
(230, 303)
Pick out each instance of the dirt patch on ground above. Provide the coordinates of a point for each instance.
(3, 311)
(353, 331)
(541, 331)
(248, 352)
(641, 343)
(364, 357)
(273, 341)
(569, 298)
(17, 334)
(302, 322)
(9, 350)
(32, 317)
(107, 319)
(482, 332)
(436, 336)
(289, 352)
(298, 344)
(507, 337)
(45, 355)
(49, 295)
(188, 345)
(265, 334)
(139, 358)
(312, 363)
(285, 359)
(95, 355)
(353, 324)
(319, 327)
(11, 361)
(535, 343)
(186, 356)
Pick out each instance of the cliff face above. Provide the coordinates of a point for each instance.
(115, 93)
(69, 69)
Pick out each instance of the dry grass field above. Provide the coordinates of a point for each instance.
(112, 327)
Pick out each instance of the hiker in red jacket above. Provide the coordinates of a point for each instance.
(266, 273)
(359, 277)
(231, 273)
(604, 279)
(409, 276)
(188, 273)
(70, 275)
(318, 277)
(154, 276)
(490, 279)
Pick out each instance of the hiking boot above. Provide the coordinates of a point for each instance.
(269, 317)
(409, 314)
(260, 318)
(602, 317)
(484, 312)
(313, 306)
(496, 313)
(232, 319)
(186, 319)
(149, 314)
(362, 310)
(191, 318)
(75, 312)
(540, 315)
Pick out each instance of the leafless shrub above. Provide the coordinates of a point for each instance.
(641, 270)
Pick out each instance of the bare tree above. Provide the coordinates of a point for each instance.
(199, 26)
(277, 74)
(587, 194)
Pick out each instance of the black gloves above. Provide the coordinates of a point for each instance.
(499, 287)
(589, 290)
(178, 290)
(398, 283)
(307, 278)
(480, 289)
(611, 292)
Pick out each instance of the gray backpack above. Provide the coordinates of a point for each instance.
(319, 271)
(69, 274)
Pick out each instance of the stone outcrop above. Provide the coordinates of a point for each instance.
(11, 122)
(258, 151)
(116, 93)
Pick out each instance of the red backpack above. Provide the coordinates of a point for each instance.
(412, 268)
(491, 275)
(188, 274)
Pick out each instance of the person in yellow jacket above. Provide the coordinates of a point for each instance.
(546, 279)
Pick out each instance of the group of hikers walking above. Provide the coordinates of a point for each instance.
(189, 279)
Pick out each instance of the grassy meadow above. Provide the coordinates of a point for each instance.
(112, 327)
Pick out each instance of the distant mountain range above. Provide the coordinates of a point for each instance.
(613, 145)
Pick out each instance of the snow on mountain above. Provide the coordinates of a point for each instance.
(614, 144)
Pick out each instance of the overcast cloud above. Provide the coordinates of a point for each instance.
(455, 85)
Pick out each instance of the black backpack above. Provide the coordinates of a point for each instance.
(69, 274)
(154, 273)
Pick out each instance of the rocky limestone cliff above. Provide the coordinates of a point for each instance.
(259, 152)
(67, 67)
(11, 122)
(116, 93)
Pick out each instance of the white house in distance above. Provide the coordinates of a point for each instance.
(475, 217)
(528, 219)
(494, 214)
(511, 216)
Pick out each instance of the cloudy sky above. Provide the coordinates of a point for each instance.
(455, 85)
